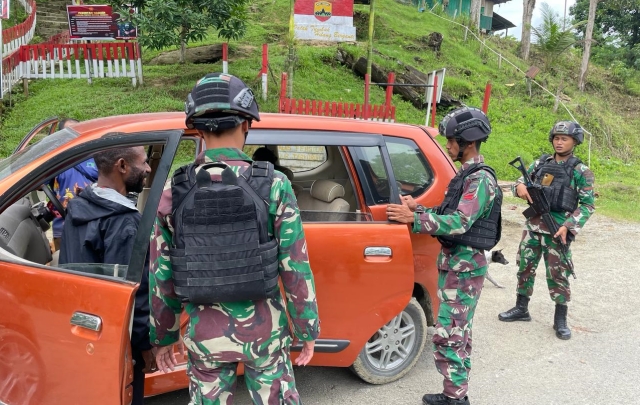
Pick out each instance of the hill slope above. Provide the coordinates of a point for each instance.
(609, 108)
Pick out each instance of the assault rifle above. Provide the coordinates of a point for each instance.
(540, 206)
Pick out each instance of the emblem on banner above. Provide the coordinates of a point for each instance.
(322, 10)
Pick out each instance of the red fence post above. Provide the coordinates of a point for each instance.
(390, 79)
(433, 100)
(263, 71)
(487, 96)
(283, 91)
(225, 57)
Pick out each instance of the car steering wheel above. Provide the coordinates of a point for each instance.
(54, 200)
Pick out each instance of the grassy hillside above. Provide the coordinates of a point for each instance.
(521, 123)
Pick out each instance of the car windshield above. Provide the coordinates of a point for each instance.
(29, 154)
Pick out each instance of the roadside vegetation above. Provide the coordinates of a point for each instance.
(608, 108)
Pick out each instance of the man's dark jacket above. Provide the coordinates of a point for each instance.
(99, 230)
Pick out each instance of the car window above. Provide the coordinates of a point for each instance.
(19, 160)
(36, 232)
(187, 151)
(373, 174)
(410, 167)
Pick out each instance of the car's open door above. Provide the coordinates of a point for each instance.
(65, 332)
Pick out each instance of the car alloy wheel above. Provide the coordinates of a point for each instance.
(395, 348)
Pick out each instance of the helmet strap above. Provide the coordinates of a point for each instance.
(461, 146)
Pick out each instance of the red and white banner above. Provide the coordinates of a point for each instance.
(327, 20)
(4, 9)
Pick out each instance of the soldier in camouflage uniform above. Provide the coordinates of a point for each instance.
(461, 268)
(256, 333)
(536, 240)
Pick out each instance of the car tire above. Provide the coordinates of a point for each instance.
(395, 348)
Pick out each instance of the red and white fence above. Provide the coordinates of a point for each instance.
(13, 38)
(10, 72)
(78, 61)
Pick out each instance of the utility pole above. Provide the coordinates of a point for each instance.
(372, 16)
(564, 19)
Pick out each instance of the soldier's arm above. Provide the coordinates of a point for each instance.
(294, 268)
(584, 179)
(477, 196)
(165, 307)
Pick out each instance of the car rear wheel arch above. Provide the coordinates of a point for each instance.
(424, 299)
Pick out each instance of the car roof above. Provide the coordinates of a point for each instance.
(175, 120)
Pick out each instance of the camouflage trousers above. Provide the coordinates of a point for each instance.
(270, 380)
(458, 293)
(533, 246)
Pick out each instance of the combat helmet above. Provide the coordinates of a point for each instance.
(220, 101)
(465, 125)
(573, 129)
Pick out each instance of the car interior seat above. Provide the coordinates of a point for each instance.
(325, 196)
(22, 235)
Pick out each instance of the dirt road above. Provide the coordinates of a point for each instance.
(524, 363)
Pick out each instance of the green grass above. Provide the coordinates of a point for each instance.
(520, 123)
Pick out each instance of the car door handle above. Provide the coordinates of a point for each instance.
(87, 321)
(377, 251)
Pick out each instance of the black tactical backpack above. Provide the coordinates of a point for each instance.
(221, 250)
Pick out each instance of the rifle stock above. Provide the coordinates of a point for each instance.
(540, 206)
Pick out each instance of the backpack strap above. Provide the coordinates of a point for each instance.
(257, 180)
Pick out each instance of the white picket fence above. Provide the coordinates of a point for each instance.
(81, 61)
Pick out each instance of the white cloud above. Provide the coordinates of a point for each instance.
(512, 11)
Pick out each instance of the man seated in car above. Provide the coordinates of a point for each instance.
(100, 227)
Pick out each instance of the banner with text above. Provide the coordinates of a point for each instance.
(326, 20)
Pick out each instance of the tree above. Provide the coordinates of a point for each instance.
(586, 54)
(527, 15)
(552, 41)
(476, 6)
(164, 23)
(616, 22)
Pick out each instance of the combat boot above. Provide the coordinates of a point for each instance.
(518, 313)
(441, 399)
(560, 322)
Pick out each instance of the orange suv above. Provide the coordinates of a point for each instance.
(65, 330)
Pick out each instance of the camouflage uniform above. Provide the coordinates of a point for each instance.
(537, 242)
(256, 333)
(461, 276)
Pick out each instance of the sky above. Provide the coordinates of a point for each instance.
(512, 11)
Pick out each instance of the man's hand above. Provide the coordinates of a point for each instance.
(411, 203)
(562, 233)
(306, 354)
(401, 213)
(149, 357)
(521, 191)
(166, 359)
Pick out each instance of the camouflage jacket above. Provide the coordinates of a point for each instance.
(228, 332)
(476, 201)
(582, 180)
